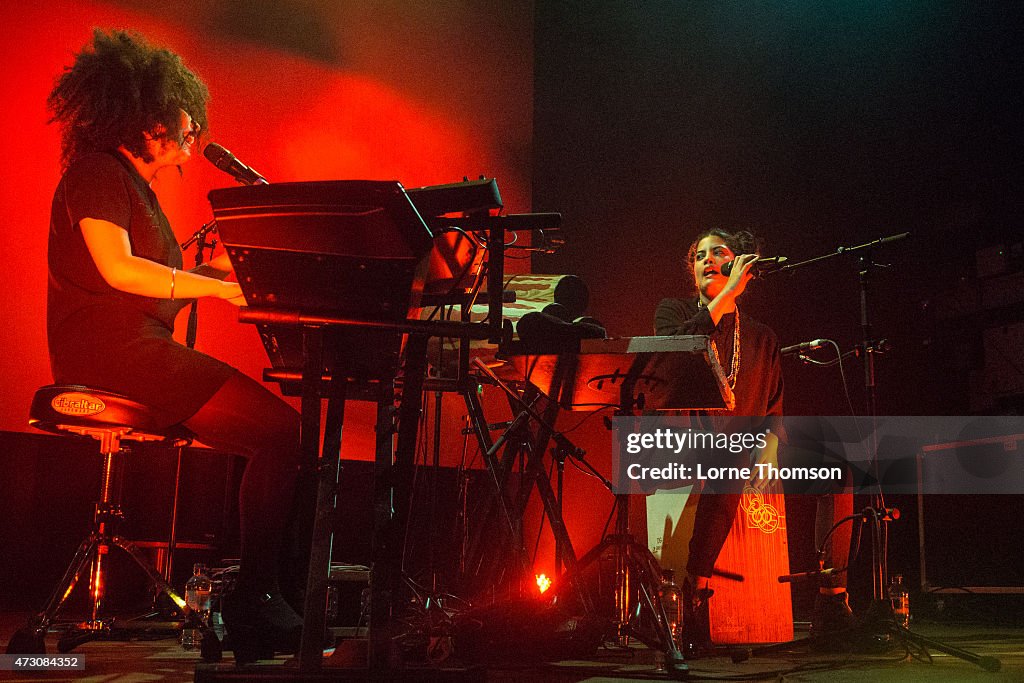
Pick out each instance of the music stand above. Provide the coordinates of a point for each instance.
(330, 271)
(348, 248)
(631, 372)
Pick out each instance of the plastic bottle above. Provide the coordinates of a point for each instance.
(900, 598)
(197, 597)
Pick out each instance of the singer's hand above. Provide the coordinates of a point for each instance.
(725, 301)
(769, 455)
(741, 274)
(238, 301)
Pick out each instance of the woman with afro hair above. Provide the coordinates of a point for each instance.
(128, 110)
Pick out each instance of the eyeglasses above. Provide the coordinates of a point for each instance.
(190, 136)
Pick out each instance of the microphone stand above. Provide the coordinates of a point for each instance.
(868, 348)
(222, 159)
(880, 615)
(199, 238)
(210, 644)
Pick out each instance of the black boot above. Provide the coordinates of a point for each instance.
(293, 585)
(696, 622)
(293, 570)
(833, 625)
(259, 625)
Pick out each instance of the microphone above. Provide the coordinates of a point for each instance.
(761, 265)
(229, 163)
(805, 346)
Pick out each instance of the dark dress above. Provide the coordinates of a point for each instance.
(758, 406)
(759, 382)
(104, 338)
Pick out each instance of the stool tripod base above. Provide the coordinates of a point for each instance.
(30, 639)
(109, 419)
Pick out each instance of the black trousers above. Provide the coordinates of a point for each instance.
(244, 417)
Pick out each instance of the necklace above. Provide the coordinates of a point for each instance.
(734, 369)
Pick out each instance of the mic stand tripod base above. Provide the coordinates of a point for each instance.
(876, 633)
(880, 623)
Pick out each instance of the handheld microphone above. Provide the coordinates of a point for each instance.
(229, 163)
(761, 266)
(805, 346)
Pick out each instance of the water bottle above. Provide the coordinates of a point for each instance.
(197, 597)
(900, 598)
(672, 601)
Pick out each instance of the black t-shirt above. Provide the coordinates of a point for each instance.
(104, 186)
(108, 339)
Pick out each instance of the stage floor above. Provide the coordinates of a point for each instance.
(164, 660)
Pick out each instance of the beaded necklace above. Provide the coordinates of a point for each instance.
(734, 369)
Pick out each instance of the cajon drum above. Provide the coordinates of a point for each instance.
(749, 604)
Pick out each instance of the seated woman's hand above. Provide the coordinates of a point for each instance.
(231, 292)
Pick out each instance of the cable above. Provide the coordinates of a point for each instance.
(846, 389)
(827, 363)
(820, 550)
(585, 471)
(509, 281)
(873, 457)
(840, 356)
(588, 416)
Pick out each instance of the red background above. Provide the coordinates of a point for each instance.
(423, 93)
(404, 91)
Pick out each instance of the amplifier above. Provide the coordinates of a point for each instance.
(970, 543)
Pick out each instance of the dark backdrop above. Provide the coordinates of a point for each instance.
(814, 124)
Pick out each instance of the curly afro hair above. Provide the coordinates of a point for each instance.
(739, 241)
(119, 89)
